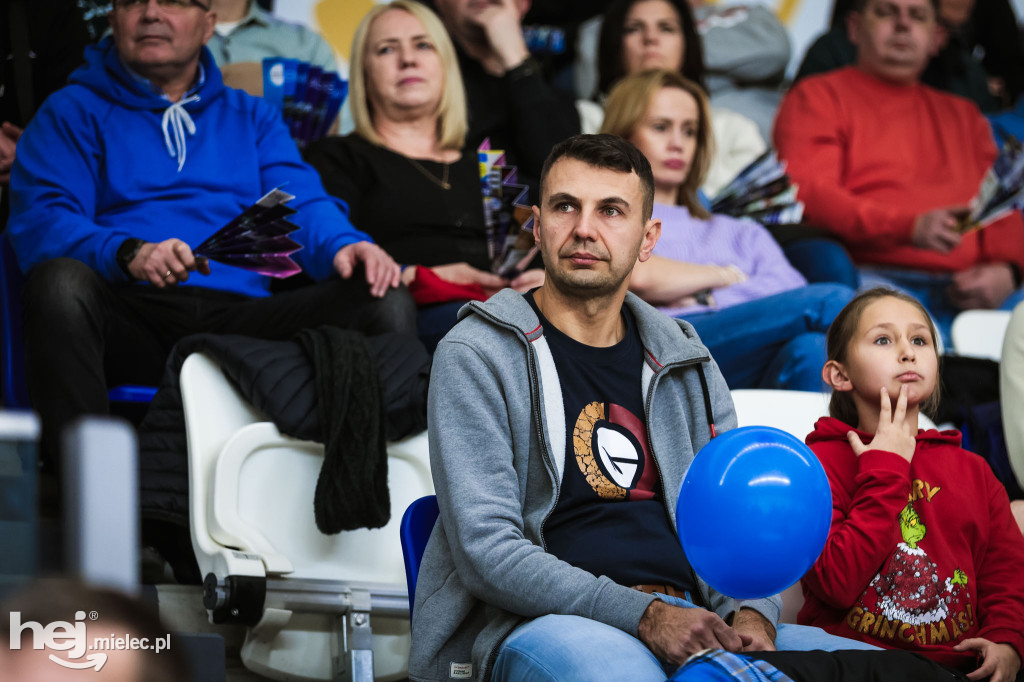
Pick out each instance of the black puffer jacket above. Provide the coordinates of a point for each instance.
(371, 390)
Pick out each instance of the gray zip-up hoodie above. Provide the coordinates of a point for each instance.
(497, 450)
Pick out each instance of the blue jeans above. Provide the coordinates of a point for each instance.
(559, 648)
(930, 289)
(434, 321)
(773, 342)
(822, 260)
(717, 665)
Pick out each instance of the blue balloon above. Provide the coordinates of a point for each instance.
(754, 511)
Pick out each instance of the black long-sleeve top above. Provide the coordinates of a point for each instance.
(391, 198)
(519, 112)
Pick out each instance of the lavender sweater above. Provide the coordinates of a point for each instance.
(722, 240)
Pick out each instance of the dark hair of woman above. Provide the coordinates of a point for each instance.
(610, 64)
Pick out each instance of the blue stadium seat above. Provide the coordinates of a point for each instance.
(13, 387)
(13, 393)
(417, 523)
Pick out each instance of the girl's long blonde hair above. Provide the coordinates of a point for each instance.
(452, 121)
(627, 105)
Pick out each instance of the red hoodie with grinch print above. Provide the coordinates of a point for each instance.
(921, 555)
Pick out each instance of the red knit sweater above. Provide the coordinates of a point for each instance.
(870, 156)
(947, 567)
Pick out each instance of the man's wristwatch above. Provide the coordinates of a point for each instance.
(127, 252)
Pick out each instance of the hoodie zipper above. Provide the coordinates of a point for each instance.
(697, 593)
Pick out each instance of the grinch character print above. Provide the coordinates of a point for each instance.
(908, 588)
(908, 600)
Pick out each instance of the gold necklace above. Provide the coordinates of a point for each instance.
(442, 183)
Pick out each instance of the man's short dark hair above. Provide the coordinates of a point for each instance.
(609, 152)
(861, 5)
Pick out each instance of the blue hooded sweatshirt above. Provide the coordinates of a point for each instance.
(107, 158)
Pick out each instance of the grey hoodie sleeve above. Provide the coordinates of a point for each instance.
(481, 449)
(725, 419)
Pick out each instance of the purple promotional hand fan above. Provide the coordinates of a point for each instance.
(257, 239)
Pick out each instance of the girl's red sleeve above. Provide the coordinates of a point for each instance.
(868, 493)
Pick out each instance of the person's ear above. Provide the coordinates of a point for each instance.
(940, 36)
(536, 226)
(834, 374)
(853, 20)
(652, 232)
(210, 21)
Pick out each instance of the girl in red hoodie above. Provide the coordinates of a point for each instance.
(924, 553)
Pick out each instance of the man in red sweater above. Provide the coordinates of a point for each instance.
(888, 165)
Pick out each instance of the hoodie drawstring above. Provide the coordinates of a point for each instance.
(175, 116)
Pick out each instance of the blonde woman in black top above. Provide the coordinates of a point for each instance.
(404, 172)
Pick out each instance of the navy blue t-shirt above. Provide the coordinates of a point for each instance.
(610, 518)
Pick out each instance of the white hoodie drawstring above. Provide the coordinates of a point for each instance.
(177, 117)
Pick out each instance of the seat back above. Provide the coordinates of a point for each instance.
(251, 503)
(979, 333)
(417, 524)
(13, 391)
(236, 454)
(214, 412)
(791, 411)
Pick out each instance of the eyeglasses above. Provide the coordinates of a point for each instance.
(168, 5)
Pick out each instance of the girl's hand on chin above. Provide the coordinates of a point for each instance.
(893, 433)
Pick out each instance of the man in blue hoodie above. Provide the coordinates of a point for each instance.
(143, 154)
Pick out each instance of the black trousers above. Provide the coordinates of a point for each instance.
(83, 334)
(891, 665)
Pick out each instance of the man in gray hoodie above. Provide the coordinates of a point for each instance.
(561, 424)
